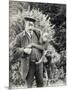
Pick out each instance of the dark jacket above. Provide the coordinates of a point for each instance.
(21, 41)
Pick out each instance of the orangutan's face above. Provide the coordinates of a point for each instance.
(45, 37)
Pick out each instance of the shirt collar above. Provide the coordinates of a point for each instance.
(29, 34)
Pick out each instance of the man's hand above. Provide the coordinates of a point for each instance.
(21, 49)
(27, 50)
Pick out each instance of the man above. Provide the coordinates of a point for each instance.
(28, 55)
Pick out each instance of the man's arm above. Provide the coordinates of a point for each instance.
(17, 50)
(40, 47)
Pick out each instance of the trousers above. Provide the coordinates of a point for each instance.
(37, 71)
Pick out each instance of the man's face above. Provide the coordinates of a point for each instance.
(29, 25)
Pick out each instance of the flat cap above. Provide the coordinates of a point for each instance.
(29, 19)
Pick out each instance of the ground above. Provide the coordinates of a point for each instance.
(55, 84)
